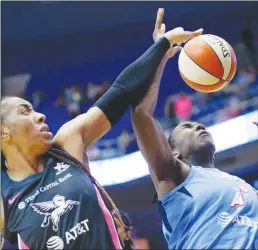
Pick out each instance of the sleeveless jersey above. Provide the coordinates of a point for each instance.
(59, 208)
(210, 210)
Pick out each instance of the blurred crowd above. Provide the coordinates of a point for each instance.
(74, 97)
(235, 99)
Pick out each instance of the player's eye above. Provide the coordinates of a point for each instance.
(25, 111)
(187, 125)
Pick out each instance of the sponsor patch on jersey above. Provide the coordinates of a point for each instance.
(55, 242)
(225, 219)
(61, 167)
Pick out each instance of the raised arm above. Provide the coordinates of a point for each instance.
(151, 139)
(128, 89)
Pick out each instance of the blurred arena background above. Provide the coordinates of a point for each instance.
(62, 56)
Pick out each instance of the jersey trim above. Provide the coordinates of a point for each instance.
(170, 193)
(109, 220)
(21, 244)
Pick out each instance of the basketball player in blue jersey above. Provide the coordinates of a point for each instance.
(201, 207)
(50, 199)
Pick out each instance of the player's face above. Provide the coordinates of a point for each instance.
(191, 137)
(25, 127)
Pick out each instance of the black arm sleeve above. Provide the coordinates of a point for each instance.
(133, 83)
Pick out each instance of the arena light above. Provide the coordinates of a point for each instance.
(227, 135)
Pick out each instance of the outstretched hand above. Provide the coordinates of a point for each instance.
(176, 36)
(160, 30)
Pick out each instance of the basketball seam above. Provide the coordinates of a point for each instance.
(204, 85)
(231, 62)
(218, 58)
(204, 69)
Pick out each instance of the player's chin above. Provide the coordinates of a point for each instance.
(45, 144)
(207, 143)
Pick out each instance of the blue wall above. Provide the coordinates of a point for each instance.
(39, 35)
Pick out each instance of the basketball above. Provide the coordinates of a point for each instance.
(207, 63)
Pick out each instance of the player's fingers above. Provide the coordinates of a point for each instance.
(193, 33)
(197, 32)
(163, 28)
(159, 19)
(177, 49)
(186, 35)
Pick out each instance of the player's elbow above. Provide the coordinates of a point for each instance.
(141, 112)
(141, 116)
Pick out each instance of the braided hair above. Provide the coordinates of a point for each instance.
(128, 243)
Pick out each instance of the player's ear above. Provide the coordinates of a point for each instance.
(5, 134)
(176, 153)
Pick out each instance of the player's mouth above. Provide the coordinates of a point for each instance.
(45, 130)
(204, 133)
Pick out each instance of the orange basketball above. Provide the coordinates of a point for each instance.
(207, 63)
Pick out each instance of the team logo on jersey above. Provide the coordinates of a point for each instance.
(238, 199)
(52, 210)
(61, 167)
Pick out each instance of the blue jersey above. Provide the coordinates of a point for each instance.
(60, 208)
(210, 210)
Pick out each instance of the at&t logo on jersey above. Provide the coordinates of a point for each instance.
(52, 210)
(74, 232)
(225, 218)
(55, 242)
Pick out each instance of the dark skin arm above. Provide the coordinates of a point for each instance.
(152, 140)
(81, 132)
(166, 171)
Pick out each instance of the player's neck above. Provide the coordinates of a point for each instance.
(21, 165)
(202, 160)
